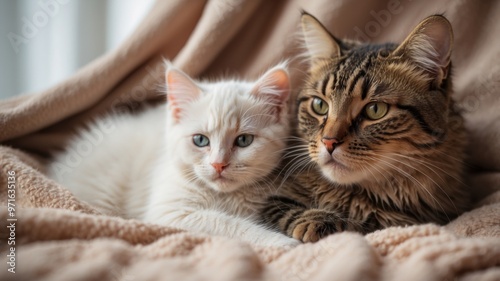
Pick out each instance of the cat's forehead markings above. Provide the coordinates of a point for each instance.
(378, 90)
(326, 85)
(357, 65)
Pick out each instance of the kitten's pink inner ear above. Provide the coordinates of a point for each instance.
(170, 79)
(170, 85)
(180, 91)
(282, 84)
(274, 86)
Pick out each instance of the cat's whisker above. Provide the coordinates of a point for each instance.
(293, 155)
(269, 184)
(428, 164)
(448, 156)
(375, 166)
(421, 172)
(297, 138)
(413, 179)
(302, 163)
(294, 162)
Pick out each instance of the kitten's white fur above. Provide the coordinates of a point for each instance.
(147, 167)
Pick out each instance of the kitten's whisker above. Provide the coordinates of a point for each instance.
(301, 163)
(291, 162)
(290, 154)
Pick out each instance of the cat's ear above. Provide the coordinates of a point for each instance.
(181, 90)
(274, 86)
(320, 43)
(429, 46)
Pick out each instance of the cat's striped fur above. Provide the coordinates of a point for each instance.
(362, 174)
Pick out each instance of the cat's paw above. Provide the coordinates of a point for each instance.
(315, 225)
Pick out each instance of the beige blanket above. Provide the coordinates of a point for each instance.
(58, 237)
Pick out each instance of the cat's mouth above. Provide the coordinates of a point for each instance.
(221, 179)
(332, 161)
(335, 164)
(337, 171)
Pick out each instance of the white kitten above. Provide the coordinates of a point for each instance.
(203, 163)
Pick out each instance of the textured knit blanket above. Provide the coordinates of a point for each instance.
(47, 234)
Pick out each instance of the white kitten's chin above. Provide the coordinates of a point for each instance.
(224, 185)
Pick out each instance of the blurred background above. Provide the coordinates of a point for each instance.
(45, 41)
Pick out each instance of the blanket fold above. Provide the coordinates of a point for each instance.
(58, 237)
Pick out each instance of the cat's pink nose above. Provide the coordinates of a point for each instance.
(330, 143)
(219, 167)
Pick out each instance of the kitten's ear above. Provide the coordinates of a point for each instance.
(274, 86)
(180, 90)
(429, 45)
(319, 42)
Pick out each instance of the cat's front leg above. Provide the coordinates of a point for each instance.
(300, 222)
(314, 224)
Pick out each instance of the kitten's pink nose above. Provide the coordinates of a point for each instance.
(330, 143)
(219, 167)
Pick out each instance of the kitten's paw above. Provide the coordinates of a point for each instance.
(315, 225)
(287, 243)
(281, 241)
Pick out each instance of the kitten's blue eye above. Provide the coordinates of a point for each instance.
(244, 140)
(200, 140)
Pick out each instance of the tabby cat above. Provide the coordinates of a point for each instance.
(383, 144)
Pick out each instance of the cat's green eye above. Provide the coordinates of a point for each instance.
(319, 106)
(376, 110)
(200, 140)
(244, 140)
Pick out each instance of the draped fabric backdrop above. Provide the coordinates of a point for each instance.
(45, 41)
(242, 38)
